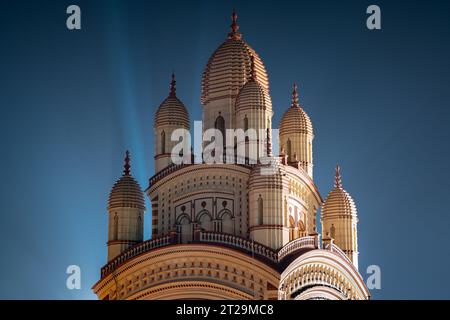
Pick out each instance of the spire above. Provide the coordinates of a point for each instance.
(126, 171)
(173, 89)
(295, 97)
(234, 34)
(337, 178)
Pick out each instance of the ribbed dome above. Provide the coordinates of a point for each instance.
(295, 119)
(338, 201)
(264, 175)
(253, 96)
(230, 67)
(172, 111)
(126, 192)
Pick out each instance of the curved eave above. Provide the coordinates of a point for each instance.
(194, 248)
(174, 171)
(335, 261)
(303, 175)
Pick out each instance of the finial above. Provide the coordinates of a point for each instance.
(337, 179)
(126, 171)
(295, 96)
(173, 89)
(234, 34)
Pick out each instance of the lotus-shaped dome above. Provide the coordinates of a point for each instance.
(172, 111)
(295, 119)
(338, 201)
(126, 192)
(230, 67)
(253, 96)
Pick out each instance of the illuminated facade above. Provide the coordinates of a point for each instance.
(230, 230)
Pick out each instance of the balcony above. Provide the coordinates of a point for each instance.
(255, 249)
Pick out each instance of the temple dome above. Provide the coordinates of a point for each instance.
(270, 175)
(338, 202)
(230, 67)
(172, 111)
(295, 119)
(253, 96)
(126, 192)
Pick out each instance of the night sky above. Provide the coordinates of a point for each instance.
(72, 102)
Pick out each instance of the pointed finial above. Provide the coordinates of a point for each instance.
(337, 179)
(126, 171)
(295, 96)
(234, 34)
(173, 89)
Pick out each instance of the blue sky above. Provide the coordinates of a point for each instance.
(72, 101)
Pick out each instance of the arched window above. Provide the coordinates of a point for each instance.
(301, 229)
(227, 222)
(260, 211)
(245, 123)
(289, 149)
(140, 228)
(291, 228)
(163, 142)
(332, 231)
(184, 229)
(220, 125)
(204, 220)
(116, 227)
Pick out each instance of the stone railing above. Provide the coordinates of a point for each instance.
(249, 246)
(242, 244)
(334, 248)
(309, 242)
(135, 251)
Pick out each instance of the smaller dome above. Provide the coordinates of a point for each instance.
(126, 192)
(253, 95)
(172, 111)
(295, 119)
(267, 175)
(338, 201)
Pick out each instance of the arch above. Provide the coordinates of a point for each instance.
(291, 228)
(163, 142)
(289, 149)
(226, 221)
(301, 229)
(220, 125)
(260, 210)
(204, 220)
(116, 227)
(184, 228)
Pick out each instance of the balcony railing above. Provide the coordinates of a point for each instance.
(334, 248)
(309, 242)
(250, 247)
(135, 251)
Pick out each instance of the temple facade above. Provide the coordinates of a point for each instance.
(232, 229)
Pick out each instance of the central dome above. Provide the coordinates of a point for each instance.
(230, 67)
